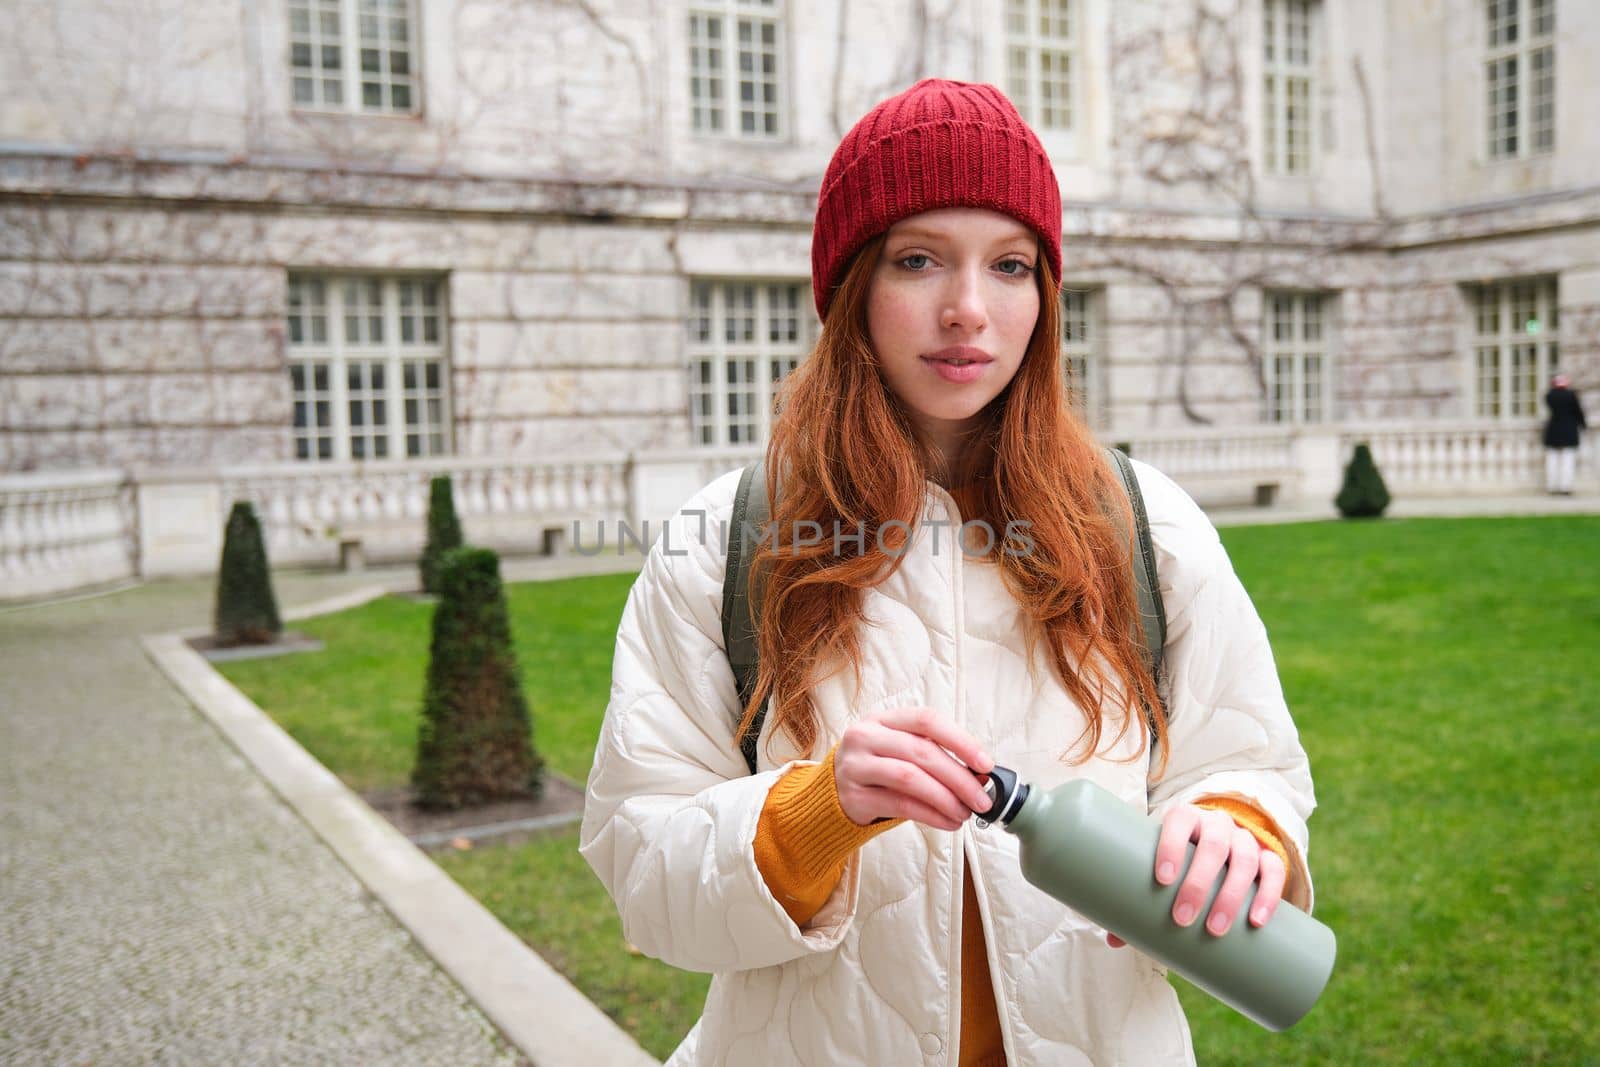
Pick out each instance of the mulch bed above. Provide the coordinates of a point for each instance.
(288, 642)
(502, 823)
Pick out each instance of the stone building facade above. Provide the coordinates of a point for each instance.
(328, 230)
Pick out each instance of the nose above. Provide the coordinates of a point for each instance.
(964, 306)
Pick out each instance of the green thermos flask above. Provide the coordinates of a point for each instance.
(1096, 854)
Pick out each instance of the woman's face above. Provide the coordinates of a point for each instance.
(950, 311)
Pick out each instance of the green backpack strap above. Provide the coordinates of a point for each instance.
(750, 514)
(1146, 583)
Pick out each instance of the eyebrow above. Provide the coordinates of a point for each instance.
(1021, 233)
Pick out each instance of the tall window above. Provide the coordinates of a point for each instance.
(744, 337)
(1040, 61)
(367, 367)
(354, 55)
(735, 68)
(1296, 357)
(1515, 345)
(1288, 55)
(1520, 77)
(1080, 351)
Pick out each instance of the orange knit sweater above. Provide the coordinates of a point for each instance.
(804, 839)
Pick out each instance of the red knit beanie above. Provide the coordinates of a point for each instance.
(939, 144)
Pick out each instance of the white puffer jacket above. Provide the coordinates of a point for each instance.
(874, 978)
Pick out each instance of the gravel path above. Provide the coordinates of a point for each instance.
(158, 903)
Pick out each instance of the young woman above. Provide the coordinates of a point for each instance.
(848, 907)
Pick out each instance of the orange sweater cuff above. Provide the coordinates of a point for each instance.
(1258, 822)
(804, 839)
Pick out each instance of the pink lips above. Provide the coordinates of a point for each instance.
(959, 363)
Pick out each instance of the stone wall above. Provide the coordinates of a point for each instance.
(156, 189)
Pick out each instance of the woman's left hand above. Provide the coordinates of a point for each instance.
(1218, 840)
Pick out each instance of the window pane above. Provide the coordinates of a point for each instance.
(743, 339)
(705, 64)
(424, 405)
(365, 363)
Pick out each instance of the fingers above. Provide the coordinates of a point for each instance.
(1212, 834)
(1243, 861)
(900, 765)
(886, 784)
(1217, 841)
(1273, 876)
(1213, 837)
(925, 722)
(1177, 830)
(937, 764)
(894, 805)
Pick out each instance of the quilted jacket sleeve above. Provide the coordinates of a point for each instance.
(1229, 730)
(670, 819)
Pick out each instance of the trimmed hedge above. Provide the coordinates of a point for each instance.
(476, 741)
(246, 610)
(444, 531)
(1363, 495)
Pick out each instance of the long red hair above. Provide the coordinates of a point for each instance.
(843, 451)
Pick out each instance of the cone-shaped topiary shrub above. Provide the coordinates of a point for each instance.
(1363, 495)
(475, 744)
(444, 531)
(246, 611)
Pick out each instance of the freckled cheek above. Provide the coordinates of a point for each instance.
(1019, 319)
(893, 321)
(894, 309)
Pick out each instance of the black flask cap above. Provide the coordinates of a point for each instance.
(1008, 796)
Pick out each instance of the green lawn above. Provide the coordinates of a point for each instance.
(356, 705)
(1438, 671)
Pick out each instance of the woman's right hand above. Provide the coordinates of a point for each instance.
(908, 763)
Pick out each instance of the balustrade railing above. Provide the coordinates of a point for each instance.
(306, 510)
(1461, 457)
(63, 531)
(1215, 453)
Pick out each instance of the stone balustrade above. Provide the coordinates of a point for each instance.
(1466, 457)
(68, 530)
(514, 506)
(64, 531)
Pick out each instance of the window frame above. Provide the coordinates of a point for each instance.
(1091, 399)
(1025, 83)
(340, 356)
(717, 351)
(727, 104)
(1291, 403)
(1278, 72)
(1509, 347)
(1518, 32)
(352, 44)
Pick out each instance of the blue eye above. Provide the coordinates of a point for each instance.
(915, 261)
(1014, 268)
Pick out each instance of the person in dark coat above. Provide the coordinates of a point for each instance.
(1561, 436)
